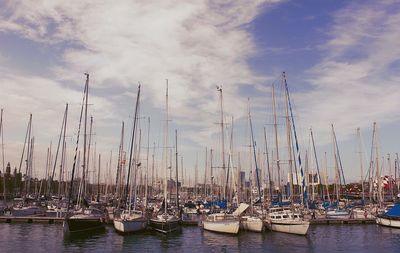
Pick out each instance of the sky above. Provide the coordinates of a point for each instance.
(341, 60)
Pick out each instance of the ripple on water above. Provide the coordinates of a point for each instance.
(21, 237)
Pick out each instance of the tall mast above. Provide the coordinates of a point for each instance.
(98, 179)
(118, 180)
(296, 141)
(152, 169)
(230, 163)
(276, 144)
(255, 158)
(361, 162)
(63, 150)
(85, 136)
(2, 156)
(378, 174)
(396, 168)
(58, 148)
(212, 177)
(196, 175)
(28, 155)
(77, 143)
(326, 177)
(166, 149)
(147, 162)
(131, 150)
(317, 164)
(205, 175)
(268, 167)
(86, 182)
(176, 169)
(219, 88)
(289, 147)
(371, 163)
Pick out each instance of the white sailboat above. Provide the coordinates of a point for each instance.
(249, 222)
(222, 222)
(287, 221)
(252, 222)
(131, 220)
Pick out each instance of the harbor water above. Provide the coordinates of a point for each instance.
(23, 237)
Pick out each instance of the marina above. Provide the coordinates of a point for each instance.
(200, 126)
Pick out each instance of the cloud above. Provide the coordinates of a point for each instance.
(354, 83)
(196, 45)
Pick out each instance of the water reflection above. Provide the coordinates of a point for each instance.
(220, 242)
(20, 237)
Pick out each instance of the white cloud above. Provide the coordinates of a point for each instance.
(354, 83)
(196, 45)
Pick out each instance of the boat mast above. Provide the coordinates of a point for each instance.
(58, 148)
(77, 142)
(268, 167)
(176, 168)
(63, 150)
(219, 88)
(378, 174)
(296, 141)
(147, 162)
(276, 144)
(166, 149)
(396, 167)
(85, 137)
(28, 155)
(289, 146)
(127, 191)
(2, 157)
(253, 144)
(317, 164)
(205, 174)
(361, 163)
(118, 180)
(98, 179)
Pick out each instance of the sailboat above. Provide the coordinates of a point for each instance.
(222, 222)
(339, 212)
(252, 222)
(289, 220)
(131, 220)
(166, 222)
(82, 219)
(391, 218)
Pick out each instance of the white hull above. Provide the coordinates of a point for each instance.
(338, 217)
(342, 215)
(249, 223)
(291, 227)
(129, 226)
(360, 214)
(224, 226)
(388, 222)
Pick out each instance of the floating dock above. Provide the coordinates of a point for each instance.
(30, 219)
(324, 221)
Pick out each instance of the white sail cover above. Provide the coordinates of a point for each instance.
(242, 207)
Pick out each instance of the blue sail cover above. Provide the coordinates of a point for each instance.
(217, 203)
(394, 211)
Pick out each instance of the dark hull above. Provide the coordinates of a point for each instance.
(82, 225)
(165, 226)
